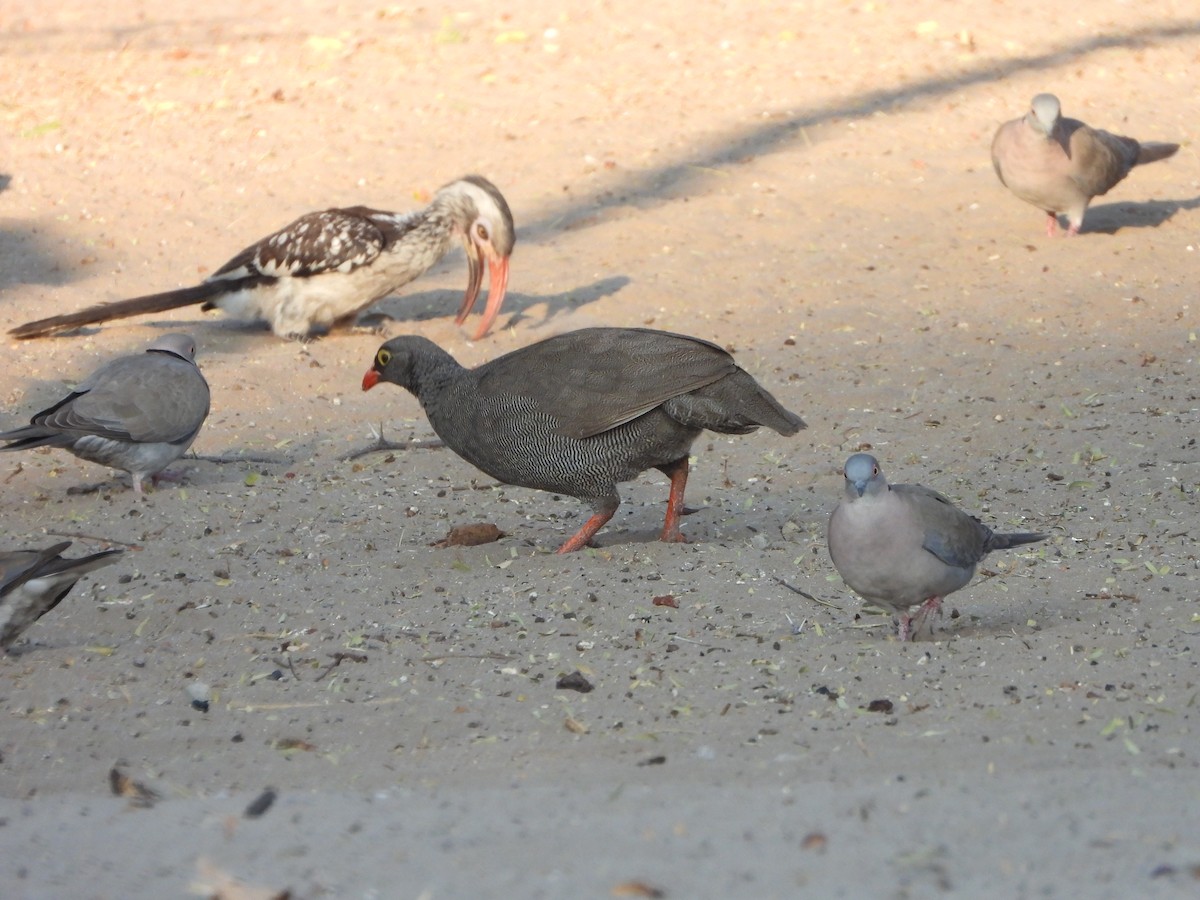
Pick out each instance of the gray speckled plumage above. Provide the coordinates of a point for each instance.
(33, 582)
(579, 413)
(1060, 164)
(900, 545)
(138, 413)
(326, 267)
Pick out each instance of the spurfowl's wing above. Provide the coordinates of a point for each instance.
(595, 379)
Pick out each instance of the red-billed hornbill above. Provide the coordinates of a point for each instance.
(326, 267)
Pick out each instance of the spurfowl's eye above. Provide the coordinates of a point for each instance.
(383, 356)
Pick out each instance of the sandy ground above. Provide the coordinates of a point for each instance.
(805, 183)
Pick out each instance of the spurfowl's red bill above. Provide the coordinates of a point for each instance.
(579, 413)
(326, 267)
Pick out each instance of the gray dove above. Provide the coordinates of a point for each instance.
(138, 413)
(1060, 164)
(32, 582)
(899, 545)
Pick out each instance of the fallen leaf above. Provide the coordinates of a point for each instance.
(637, 889)
(814, 840)
(286, 745)
(140, 796)
(470, 535)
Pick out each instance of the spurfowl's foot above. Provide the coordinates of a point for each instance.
(673, 536)
(574, 544)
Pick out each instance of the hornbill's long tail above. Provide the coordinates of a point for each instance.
(122, 309)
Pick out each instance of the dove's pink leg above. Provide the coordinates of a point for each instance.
(1051, 224)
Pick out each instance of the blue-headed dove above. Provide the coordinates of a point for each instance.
(900, 545)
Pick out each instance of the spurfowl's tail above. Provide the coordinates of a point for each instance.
(121, 309)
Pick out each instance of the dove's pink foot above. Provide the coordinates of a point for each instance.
(164, 475)
(910, 624)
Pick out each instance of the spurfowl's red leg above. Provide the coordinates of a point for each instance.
(587, 532)
(678, 473)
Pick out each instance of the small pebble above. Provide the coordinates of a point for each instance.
(200, 693)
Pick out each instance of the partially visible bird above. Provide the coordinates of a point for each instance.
(899, 545)
(32, 582)
(578, 413)
(1060, 164)
(326, 267)
(138, 413)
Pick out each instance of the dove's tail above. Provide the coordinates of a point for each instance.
(1004, 541)
(1153, 151)
(122, 309)
(76, 568)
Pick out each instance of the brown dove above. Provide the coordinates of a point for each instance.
(900, 545)
(1060, 164)
(33, 582)
(138, 413)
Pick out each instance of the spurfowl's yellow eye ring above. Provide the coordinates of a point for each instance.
(383, 357)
